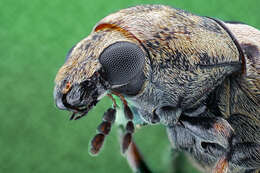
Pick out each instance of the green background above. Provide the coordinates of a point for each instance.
(37, 137)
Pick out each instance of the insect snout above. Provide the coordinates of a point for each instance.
(77, 97)
(59, 94)
(80, 97)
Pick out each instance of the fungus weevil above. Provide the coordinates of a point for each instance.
(198, 76)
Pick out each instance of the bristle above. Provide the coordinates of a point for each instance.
(80, 116)
(72, 116)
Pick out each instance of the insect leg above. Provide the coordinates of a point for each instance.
(246, 155)
(253, 171)
(245, 145)
(221, 166)
(210, 129)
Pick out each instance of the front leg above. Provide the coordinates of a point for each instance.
(209, 129)
(239, 136)
(245, 155)
(198, 131)
(214, 134)
(245, 147)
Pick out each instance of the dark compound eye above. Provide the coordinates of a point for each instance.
(68, 54)
(122, 61)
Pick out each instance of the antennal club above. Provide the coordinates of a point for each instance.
(105, 126)
(102, 131)
(129, 129)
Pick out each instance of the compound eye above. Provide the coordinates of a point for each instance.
(122, 61)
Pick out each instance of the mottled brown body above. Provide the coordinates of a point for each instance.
(194, 71)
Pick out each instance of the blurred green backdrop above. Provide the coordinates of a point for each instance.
(37, 137)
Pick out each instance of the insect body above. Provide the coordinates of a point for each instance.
(187, 72)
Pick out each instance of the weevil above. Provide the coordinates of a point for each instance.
(198, 76)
